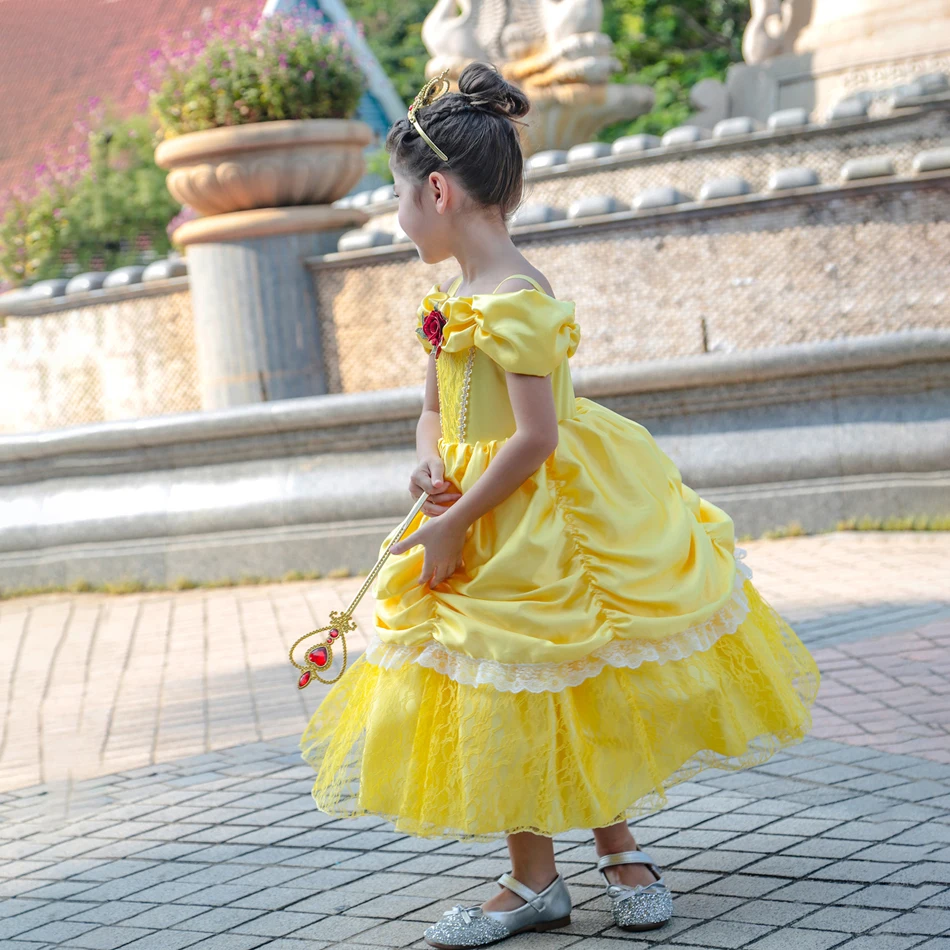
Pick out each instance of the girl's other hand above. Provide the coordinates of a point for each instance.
(428, 477)
(443, 540)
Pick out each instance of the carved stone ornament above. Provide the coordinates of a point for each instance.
(553, 49)
(767, 33)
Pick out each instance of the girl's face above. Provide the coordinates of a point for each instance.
(424, 213)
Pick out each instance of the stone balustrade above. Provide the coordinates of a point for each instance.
(689, 157)
(814, 432)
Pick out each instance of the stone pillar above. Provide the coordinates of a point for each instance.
(256, 330)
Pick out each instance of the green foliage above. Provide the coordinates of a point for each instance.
(670, 47)
(667, 46)
(234, 74)
(106, 207)
(907, 523)
(393, 31)
(793, 529)
(377, 163)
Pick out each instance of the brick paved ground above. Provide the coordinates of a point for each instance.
(844, 842)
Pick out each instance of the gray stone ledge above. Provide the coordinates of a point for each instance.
(782, 362)
(553, 165)
(165, 269)
(361, 199)
(340, 413)
(754, 139)
(586, 151)
(744, 204)
(786, 179)
(871, 166)
(530, 215)
(272, 550)
(546, 159)
(934, 83)
(595, 206)
(813, 433)
(83, 283)
(362, 238)
(731, 186)
(335, 411)
(685, 135)
(935, 159)
(797, 118)
(124, 276)
(662, 196)
(883, 455)
(47, 289)
(853, 107)
(382, 194)
(737, 125)
(634, 144)
(906, 94)
(39, 308)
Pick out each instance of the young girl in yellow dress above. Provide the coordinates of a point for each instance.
(565, 630)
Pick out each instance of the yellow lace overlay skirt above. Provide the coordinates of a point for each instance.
(442, 759)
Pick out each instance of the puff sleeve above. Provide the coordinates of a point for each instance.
(526, 331)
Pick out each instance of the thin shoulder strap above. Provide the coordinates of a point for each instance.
(456, 284)
(530, 280)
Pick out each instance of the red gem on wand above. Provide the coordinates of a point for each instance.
(319, 657)
(304, 679)
(334, 633)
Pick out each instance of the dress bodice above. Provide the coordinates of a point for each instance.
(487, 335)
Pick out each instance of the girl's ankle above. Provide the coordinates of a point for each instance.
(538, 882)
(616, 847)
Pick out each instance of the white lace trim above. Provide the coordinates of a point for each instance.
(553, 677)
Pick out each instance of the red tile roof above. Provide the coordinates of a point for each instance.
(57, 54)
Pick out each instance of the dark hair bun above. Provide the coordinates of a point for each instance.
(487, 89)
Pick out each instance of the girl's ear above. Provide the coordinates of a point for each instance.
(441, 191)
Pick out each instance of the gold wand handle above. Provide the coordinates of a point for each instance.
(319, 656)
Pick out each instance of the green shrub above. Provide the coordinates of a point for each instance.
(107, 206)
(234, 74)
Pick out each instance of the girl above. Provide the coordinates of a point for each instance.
(565, 631)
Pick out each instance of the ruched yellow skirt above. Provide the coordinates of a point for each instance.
(442, 759)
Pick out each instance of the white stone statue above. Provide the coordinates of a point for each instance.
(766, 35)
(553, 49)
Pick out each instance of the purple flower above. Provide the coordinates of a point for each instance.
(308, 76)
(154, 55)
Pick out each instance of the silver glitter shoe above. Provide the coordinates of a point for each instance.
(637, 908)
(463, 927)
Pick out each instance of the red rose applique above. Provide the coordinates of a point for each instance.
(432, 328)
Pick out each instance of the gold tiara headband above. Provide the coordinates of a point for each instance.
(429, 93)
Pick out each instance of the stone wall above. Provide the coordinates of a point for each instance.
(813, 432)
(754, 157)
(759, 271)
(108, 356)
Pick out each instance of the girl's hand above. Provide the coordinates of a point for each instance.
(428, 477)
(443, 540)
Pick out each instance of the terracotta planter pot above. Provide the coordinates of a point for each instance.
(265, 165)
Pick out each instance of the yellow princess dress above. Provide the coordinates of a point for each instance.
(603, 642)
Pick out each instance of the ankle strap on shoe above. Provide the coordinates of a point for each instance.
(624, 857)
(524, 892)
(628, 857)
